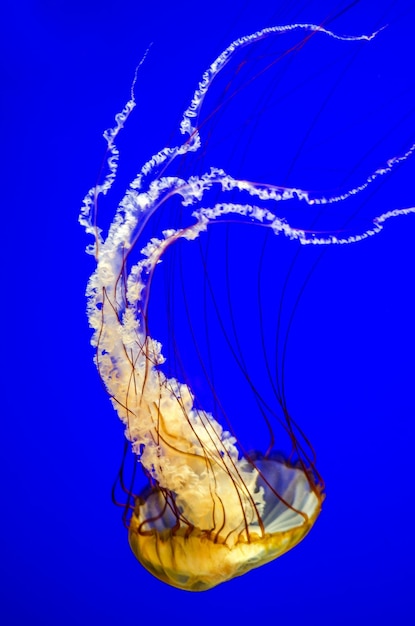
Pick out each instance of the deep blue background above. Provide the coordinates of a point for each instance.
(66, 68)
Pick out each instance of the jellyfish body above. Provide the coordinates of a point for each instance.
(211, 511)
(211, 514)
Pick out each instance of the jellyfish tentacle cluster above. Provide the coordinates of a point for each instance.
(210, 512)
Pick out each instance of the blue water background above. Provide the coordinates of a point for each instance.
(66, 70)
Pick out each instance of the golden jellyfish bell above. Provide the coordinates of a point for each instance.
(197, 558)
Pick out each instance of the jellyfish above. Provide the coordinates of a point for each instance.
(212, 509)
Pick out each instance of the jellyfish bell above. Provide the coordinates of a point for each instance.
(213, 509)
(262, 516)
